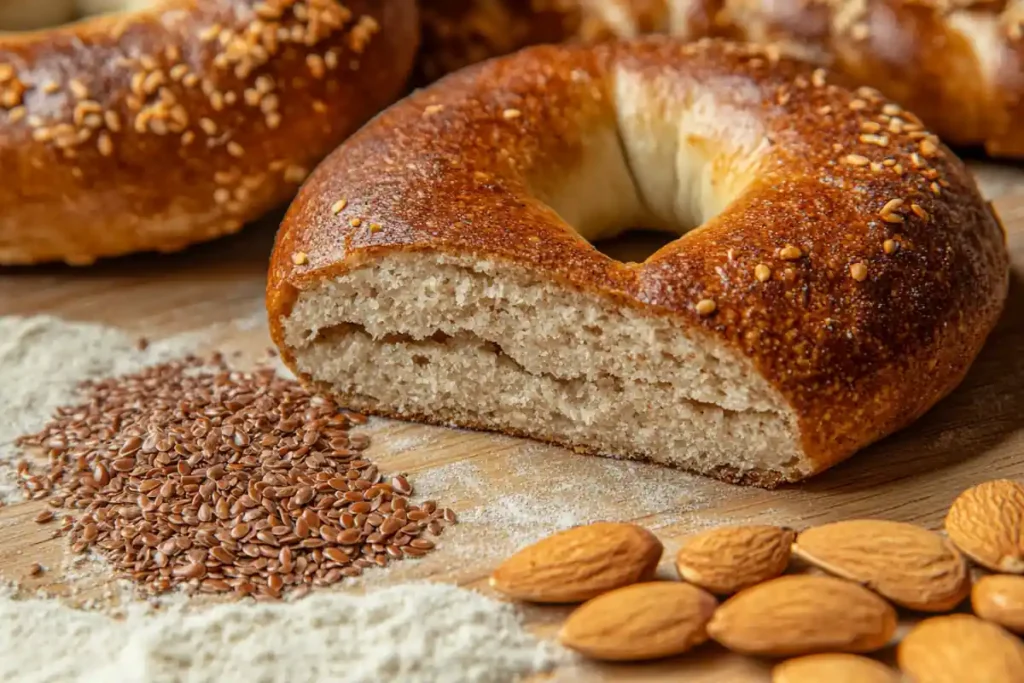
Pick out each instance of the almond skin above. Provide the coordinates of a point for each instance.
(987, 523)
(960, 648)
(833, 668)
(911, 566)
(580, 563)
(728, 559)
(803, 614)
(642, 621)
(1000, 599)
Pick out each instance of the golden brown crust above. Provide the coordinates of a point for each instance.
(156, 129)
(957, 63)
(885, 269)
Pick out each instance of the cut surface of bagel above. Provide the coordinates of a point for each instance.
(831, 281)
(956, 64)
(162, 123)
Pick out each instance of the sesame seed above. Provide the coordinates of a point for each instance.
(825, 110)
(928, 147)
(6, 72)
(877, 167)
(222, 195)
(859, 272)
(339, 206)
(869, 139)
(78, 89)
(790, 253)
(706, 307)
(208, 126)
(50, 87)
(510, 114)
(935, 188)
(299, 258)
(892, 205)
(16, 114)
(316, 65)
(187, 138)
(870, 126)
(105, 145)
(762, 272)
(235, 149)
(919, 212)
(916, 160)
(375, 227)
(432, 109)
(890, 246)
(857, 104)
(273, 120)
(355, 222)
(856, 160)
(818, 78)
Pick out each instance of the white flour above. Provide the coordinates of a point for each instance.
(42, 361)
(414, 633)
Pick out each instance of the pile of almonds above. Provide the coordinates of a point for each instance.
(191, 474)
(824, 616)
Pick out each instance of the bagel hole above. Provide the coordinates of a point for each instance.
(33, 15)
(635, 245)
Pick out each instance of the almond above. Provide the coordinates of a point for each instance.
(729, 559)
(803, 614)
(1000, 598)
(911, 566)
(959, 648)
(580, 563)
(833, 668)
(642, 621)
(987, 523)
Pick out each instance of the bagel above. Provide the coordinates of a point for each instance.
(157, 128)
(835, 275)
(958, 64)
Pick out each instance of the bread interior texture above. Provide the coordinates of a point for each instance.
(485, 343)
(33, 15)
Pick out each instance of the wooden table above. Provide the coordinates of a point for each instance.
(510, 491)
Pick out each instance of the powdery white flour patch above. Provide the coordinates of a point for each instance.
(414, 633)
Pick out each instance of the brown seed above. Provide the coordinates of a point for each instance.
(349, 536)
(401, 485)
(335, 555)
(43, 517)
(422, 544)
(123, 464)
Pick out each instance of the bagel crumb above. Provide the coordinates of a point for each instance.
(299, 258)
(706, 307)
(859, 272)
(856, 160)
(339, 206)
(919, 212)
(790, 253)
(510, 114)
(762, 272)
(890, 246)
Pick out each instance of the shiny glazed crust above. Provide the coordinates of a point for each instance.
(958, 64)
(859, 272)
(155, 129)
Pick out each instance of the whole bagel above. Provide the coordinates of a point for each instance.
(957, 63)
(157, 128)
(836, 274)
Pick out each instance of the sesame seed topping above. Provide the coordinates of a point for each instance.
(235, 149)
(857, 104)
(928, 147)
(890, 246)
(869, 139)
(50, 87)
(919, 212)
(356, 222)
(892, 205)
(105, 144)
(706, 307)
(790, 253)
(935, 188)
(859, 272)
(375, 227)
(78, 89)
(299, 258)
(856, 160)
(432, 109)
(870, 126)
(339, 206)
(510, 114)
(762, 272)
(818, 78)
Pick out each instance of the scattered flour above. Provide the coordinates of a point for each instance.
(42, 361)
(414, 633)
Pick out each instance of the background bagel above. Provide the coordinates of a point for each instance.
(958, 64)
(840, 283)
(162, 127)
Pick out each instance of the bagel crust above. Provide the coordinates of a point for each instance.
(155, 129)
(957, 64)
(836, 275)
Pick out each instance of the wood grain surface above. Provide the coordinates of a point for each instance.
(511, 491)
